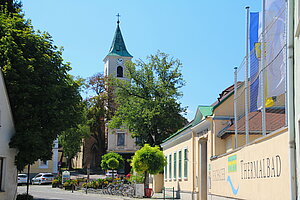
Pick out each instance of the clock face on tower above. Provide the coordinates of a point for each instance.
(120, 61)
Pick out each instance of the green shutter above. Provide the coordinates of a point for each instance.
(170, 166)
(179, 164)
(166, 169)
(185, 163)
(175, 167)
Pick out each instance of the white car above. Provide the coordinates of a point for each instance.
(22, 179)
(42, 178)
(109, 174)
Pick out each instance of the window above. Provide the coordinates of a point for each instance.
(138, 140)
(170, 166)
(179, 164)
(175, 167)
(121, 139)
(166, 168)
(185, 160)
(1, 173)
(119, 71)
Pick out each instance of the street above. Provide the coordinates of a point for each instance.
(46, 192)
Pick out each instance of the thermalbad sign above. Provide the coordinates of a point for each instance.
(252, 170)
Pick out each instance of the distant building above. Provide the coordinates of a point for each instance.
(8, 170)
(47, 166)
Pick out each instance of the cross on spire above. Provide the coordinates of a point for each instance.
(118, 15)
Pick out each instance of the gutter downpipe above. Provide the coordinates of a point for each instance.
(290, 94)
(193, 163)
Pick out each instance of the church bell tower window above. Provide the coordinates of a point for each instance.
(119, 71)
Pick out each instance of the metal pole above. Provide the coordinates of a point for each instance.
(246, 78)
(235, 109)
(263, 74)
(293, 137)
(173, 193)
(28, 179)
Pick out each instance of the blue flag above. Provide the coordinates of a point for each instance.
(254, 60)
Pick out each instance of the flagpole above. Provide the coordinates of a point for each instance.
(262, 85)
(235, 109)
(247, 78)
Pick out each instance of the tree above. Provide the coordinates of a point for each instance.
(10, 5)
(44, 98)
(148, 103)
(72, 140)
(112, 161)
(148, 160)
(97, 112)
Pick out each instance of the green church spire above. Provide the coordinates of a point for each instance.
(118, 47)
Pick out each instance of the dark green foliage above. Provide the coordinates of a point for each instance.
(24, 197)
(148, 104)
(113, 163)
(107, 158)
(44, 98)
(11, 6)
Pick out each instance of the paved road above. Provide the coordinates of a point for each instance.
(46, 192)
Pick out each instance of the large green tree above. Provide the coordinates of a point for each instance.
(44, 98)
(148, 103)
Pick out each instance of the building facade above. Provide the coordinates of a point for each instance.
(8, 170)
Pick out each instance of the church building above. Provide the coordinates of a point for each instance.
(119, 140)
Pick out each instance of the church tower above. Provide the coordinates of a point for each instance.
(117, 56)
(119, 140)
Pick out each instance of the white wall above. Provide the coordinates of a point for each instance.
(9, 182)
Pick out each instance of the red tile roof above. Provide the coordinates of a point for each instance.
(275, 119)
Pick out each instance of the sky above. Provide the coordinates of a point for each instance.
(208, 37)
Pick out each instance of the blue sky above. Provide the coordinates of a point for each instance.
(207, 36)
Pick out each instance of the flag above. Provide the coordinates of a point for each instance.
(254, 60)
(275, 39)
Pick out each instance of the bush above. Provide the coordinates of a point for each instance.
(70, 183)
(138, 178)
(55, 183)
(24, 197)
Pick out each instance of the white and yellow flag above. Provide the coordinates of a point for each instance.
(275, 44)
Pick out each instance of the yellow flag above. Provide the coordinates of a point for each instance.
(269, 102)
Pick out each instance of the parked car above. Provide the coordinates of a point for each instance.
(22, 179)
(110, 174)
(42, 178)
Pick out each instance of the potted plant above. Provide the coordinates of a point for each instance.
(148, 160)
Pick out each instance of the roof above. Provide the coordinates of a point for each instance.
(118, 47)
(275, 119)
(225, 94)
(202, 111)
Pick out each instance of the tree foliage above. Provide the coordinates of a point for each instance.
(148, 103)
(107, 159)
(10, 6)
(113, 163)
(72, 140)
(97, 112)
(148, 159)
(44, 98)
